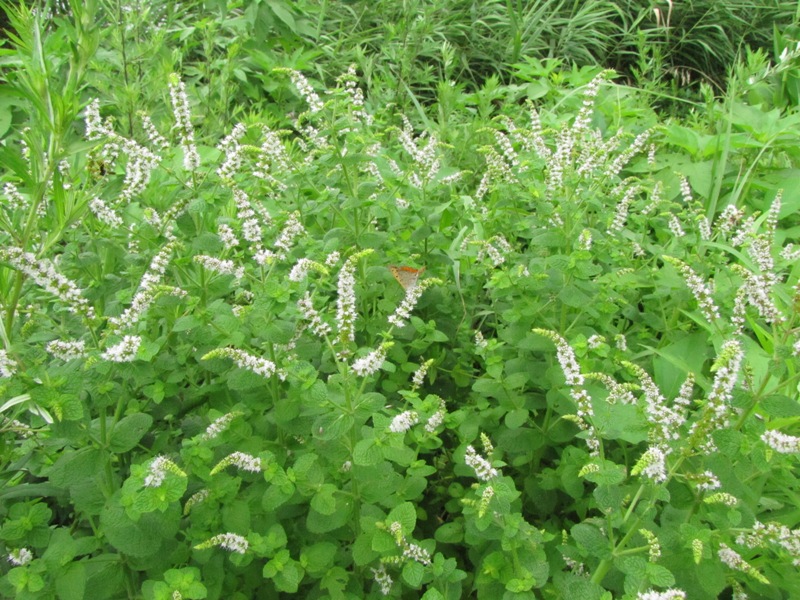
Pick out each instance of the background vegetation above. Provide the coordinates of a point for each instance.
(583, 382)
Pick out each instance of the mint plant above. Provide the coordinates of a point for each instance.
(213, 387)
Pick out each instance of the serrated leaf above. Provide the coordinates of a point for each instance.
(632, 565)
(609, 497)
(590, 537)
(450, 533)
(186, 323)
(406, 515)
(71, 582)
(74, 466)
(323, 501)
(779, 407)
(332, 426)
(319, 557)
(660, 576)
(366, 453)
(289, 578)
(61, 549)
(128, 431)
(516, 418)
(413, 572)
(242, 380)
(517, 586)
(142, 537)
(610, 474)
(320, 523)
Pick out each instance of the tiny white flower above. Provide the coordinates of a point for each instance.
(20, 557)
(404, 421)
(483, 468)
(124, 351)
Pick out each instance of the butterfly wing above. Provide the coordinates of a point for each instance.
(406, 276)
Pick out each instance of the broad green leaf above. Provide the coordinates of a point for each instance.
(128, 431)
(367, 453)
(413, 572)
(660, 576)
(778, 406)
(406, 515)
(288, 579)
(323, 501)
(318, 558)
(75, 465)
(71, 582)
(450, 533)
(516, 418)
(591, 539)
(609, 474)
(323, 523)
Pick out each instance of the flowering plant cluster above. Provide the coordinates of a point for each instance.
(211, 386)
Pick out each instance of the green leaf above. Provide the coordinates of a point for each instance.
(105, 576)
(632, 565)
(516, 418)
(61, 549)
(71, 582)
(332, 426)
(609, 497)
(283, 14)
(520, 585)
(363, 553)
(323, 501)
(591, 539)
(289, 578)
(335, 581)
(779, 407)
(128, 431)
(318, 558)
(413, 572)
(660, 576)
(74, 466)
(323, 523)
(367, 453)
(450, 533)
(610, 474)
(186, 323)
(142, 537)
(276, 537)
(406, 515)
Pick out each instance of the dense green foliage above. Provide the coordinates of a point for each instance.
(582, 384)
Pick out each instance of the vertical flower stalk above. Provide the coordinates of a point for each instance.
(183, 122)
(149, 287)
(304, 87)
(232, 150)
(413, 293)
(717, 411)
(372, 362)
(482, 467)
(316, 324)
(575, 380)
(346, 302)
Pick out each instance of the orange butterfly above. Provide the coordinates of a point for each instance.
(406, 276)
